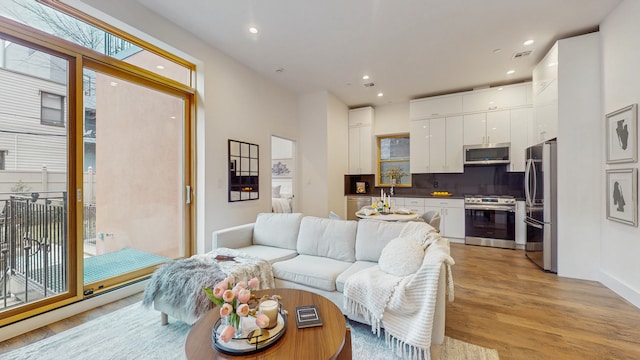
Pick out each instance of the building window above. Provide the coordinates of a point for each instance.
(3, 159)
(52, 109)
(393, 160)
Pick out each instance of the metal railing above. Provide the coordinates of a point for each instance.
(33, 245)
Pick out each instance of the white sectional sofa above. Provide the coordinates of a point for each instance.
(320, 254)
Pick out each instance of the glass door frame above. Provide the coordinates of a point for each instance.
(78, 58)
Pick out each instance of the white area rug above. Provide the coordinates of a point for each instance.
(134, 332)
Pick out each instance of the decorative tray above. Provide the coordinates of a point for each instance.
(248, 344)
(441, 193)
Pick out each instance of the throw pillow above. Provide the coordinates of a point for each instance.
(401, 257)
(275, 191)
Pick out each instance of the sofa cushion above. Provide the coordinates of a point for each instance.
(354, 268)
(401, 257)
(277, 229)
(372, 236)
(270, 253)
(329, 238)
(314, 271)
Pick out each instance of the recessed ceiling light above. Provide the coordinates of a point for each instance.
(528, 42)
(499, 89)
(113, 83)
(253, 30)
(160, 67)
(365, 77)
(380, 94)
(511, 72)
(496, 51)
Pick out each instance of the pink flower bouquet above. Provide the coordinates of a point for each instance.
(232, 299)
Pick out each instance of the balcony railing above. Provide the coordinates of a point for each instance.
(34, 246)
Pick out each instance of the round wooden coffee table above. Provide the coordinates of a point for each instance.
(322, 342)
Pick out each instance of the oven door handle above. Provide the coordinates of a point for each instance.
(535, 225)
(496, 208)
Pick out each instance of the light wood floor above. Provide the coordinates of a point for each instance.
(504, 302)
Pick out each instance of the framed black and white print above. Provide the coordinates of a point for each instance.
(622, 196)
(622, 135)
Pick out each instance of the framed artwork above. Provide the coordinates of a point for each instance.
(622, 196)
(622, 135)
(282, 168)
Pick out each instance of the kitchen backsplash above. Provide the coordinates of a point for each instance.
(476, 180)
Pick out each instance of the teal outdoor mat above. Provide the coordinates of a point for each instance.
(104, 266)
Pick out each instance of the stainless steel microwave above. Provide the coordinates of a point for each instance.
(487, 154)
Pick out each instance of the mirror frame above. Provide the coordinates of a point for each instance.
(244, 171)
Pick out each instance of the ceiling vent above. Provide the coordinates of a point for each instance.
(369, 84)
(521, 54)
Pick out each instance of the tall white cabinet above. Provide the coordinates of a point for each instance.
(361, 141)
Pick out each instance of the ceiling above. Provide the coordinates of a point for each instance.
(409, 48)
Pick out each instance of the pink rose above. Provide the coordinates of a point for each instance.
(223, 284)
(241, 285)
(253, 283)
(243, 310)
(228, 296)
(244, 295)
(262, 321)
(225, 309)
(227, 333)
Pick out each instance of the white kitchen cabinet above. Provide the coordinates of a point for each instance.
(495, 98)
(451, 213)
(436, 145)
(521, 228)
(436, 106)
(545, 96)
(487, 128)
(521, 136)
(419, 146)
(361, 141)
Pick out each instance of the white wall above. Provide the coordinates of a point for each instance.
(580, 158)
(225, 88)
(391, 119)
(620, 244)
(338, 152)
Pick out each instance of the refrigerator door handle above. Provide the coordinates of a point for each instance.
(527, 192)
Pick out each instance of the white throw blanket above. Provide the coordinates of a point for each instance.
(404, 306)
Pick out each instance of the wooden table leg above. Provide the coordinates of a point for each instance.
(345, 354)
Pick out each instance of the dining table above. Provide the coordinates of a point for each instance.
(390, 216)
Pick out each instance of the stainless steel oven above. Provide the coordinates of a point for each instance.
(490, 221)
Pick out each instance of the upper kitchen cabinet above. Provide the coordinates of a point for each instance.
(361, 141)
(436, 145)
(436, 106)
(497, 98)
(545, 97)
(487, 128)
(521, 137)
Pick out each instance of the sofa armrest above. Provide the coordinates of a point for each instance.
(233, 238)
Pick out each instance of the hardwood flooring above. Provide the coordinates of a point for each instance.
(502, 301)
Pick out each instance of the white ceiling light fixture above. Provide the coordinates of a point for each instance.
(365, 77)
(528, 42)
(380, 94)
(160, 67)
(511, 72)
(253, 30)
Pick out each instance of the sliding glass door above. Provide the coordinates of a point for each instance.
(134, 184)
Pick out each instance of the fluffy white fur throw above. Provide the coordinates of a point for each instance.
(404, 306)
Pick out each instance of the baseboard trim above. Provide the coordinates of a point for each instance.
(38, 321)
(620, 288)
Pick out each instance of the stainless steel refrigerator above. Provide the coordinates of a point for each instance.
(540, 189)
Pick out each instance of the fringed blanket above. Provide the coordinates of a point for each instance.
(180, 282)
(404, 306)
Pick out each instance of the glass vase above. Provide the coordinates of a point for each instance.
(235, 321)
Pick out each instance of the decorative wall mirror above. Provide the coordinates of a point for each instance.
(243, 171)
